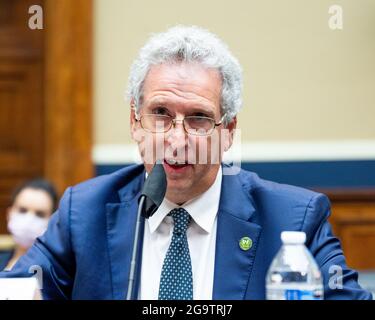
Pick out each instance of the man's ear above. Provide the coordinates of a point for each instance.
(133, 122)
(230, 127)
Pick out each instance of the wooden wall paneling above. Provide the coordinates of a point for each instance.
(68, 86)
(45, 95)
(354, 223)
(359, 244)
(21, 100)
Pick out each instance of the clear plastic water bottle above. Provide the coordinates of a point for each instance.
(294, 274)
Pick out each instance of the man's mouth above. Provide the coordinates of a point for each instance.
(174, 162)
(174, 165)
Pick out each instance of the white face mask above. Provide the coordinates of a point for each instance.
(25, 228)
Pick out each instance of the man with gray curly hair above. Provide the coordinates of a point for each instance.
(214, 235)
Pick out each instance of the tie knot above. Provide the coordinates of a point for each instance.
(181, 220)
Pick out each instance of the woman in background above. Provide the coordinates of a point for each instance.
(31, 207)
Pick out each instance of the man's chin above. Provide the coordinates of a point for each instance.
(177, 185)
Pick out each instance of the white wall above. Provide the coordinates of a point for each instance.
(303, 82)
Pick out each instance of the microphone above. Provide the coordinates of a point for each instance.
(152, 196)
(153, 190)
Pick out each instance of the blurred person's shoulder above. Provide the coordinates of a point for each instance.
(5, 256)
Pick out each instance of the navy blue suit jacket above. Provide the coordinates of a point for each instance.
(86, 251)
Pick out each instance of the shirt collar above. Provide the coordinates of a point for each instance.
(203, 215)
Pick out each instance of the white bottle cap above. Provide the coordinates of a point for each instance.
(293, 237)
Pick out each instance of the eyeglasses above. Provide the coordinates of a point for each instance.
(194, 125)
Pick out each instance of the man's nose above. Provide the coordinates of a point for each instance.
(177, 133)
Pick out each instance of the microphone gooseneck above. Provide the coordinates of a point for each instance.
(152, 196)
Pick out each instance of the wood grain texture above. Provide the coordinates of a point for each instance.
(354, 223)
(68, 87)
(45, 95)
(21, 100)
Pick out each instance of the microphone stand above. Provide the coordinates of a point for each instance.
(135, 250)
(152, 196)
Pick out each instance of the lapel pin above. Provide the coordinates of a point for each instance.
(246, 243)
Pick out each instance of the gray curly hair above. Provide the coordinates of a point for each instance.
(189, 44)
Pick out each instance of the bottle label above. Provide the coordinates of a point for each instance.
(301, 295)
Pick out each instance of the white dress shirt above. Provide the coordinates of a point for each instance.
(201, 235)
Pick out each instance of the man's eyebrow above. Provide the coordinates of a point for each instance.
(199, 109)
(195, 108)
(157, 102)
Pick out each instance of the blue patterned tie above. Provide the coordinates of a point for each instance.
(176, 281)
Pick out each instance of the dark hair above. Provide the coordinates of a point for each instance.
(37, 184)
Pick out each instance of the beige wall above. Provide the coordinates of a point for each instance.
(302, 80)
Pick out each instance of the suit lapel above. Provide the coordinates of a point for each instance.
(233, 265)
(121, 221)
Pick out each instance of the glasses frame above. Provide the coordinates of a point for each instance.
(138, 118)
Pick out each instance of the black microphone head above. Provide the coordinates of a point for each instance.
(154, 190)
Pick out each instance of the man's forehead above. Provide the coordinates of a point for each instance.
(185, 81)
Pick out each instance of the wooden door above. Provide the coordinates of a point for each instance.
(45, 95)
(21, 99)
